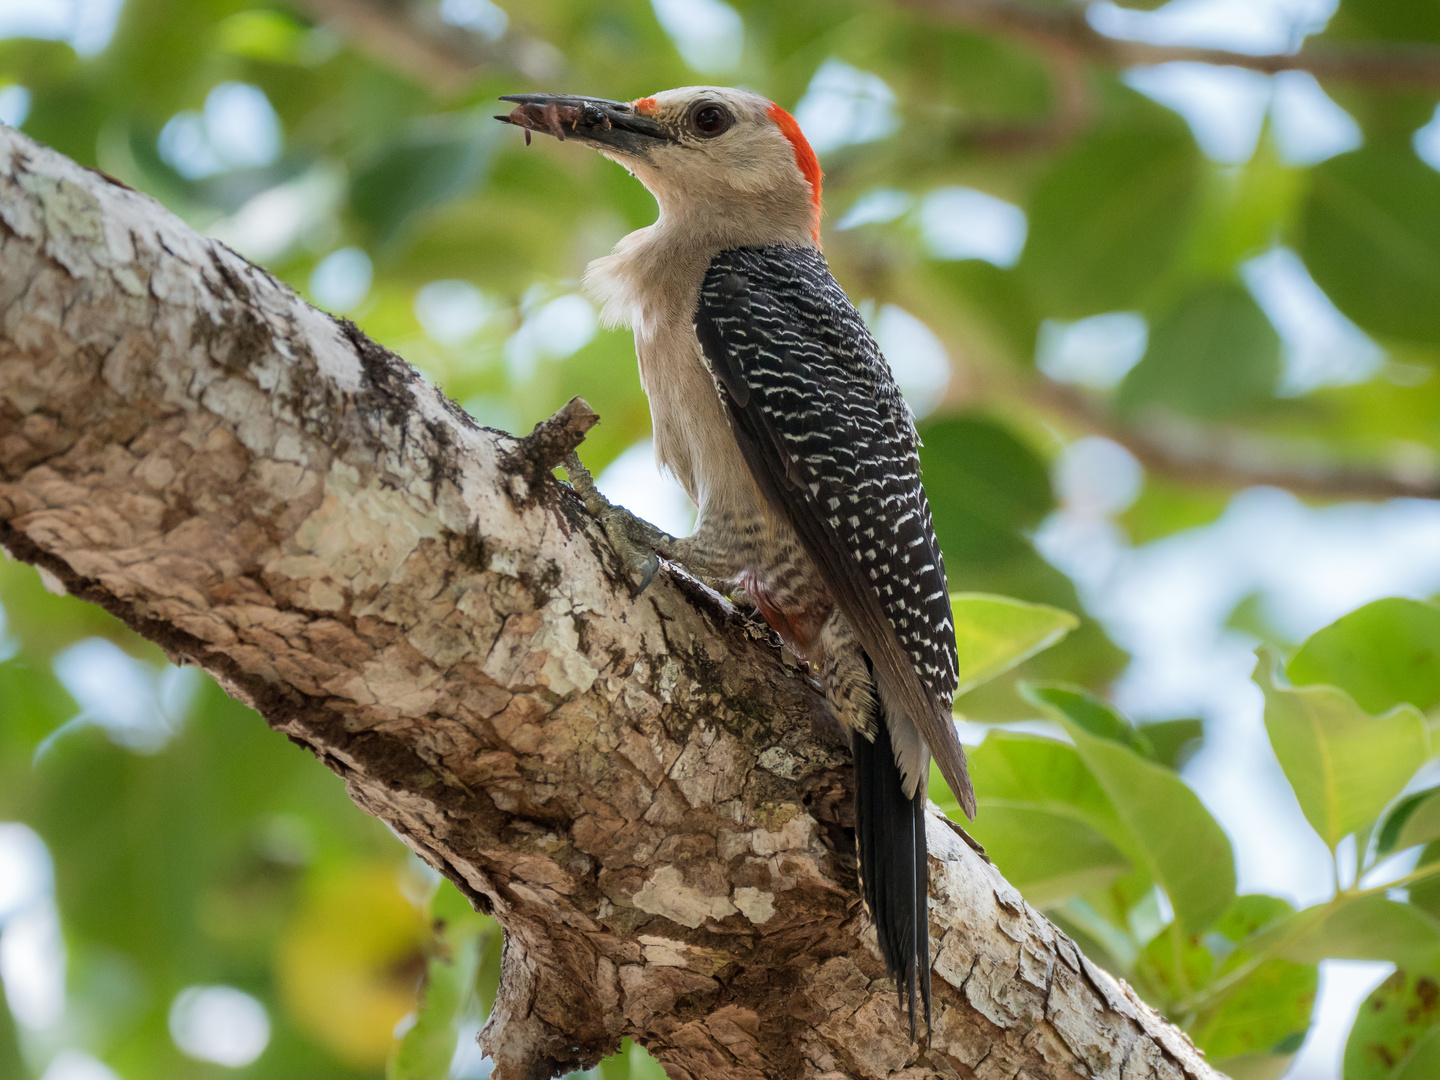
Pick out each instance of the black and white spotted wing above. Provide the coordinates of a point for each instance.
(831, 443)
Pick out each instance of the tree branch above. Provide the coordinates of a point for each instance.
(413, 39)
(1195, 453)
(388, 31)
(1065, 29)
(648, 797)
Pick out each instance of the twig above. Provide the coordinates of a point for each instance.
(388, 32)
(1420, 873)
(1304, 921)
(1227, 458)
(536, 456)
(412, 38)
(1065, 29)
(555, 437)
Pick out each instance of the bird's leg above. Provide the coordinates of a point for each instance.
(640, 544)
(634, 539)
(702, 562)
(849, 685)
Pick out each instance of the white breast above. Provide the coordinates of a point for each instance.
(652, 285)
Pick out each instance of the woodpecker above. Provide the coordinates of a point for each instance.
(773, 406)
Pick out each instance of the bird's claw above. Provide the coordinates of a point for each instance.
(627, 534)
(641, 562)
(647, 574)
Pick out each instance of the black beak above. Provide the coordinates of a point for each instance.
(612, 125)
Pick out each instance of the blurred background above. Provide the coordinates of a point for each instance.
(1170, 328)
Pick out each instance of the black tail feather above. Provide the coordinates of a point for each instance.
(890, 833)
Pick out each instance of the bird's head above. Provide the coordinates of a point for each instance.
(701, 150)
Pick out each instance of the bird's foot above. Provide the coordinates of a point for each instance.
(635, 540)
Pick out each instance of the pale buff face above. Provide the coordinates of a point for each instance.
(751, 155)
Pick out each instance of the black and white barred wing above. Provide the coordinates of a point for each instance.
(831, 443)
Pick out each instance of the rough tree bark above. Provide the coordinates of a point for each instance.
(648, 797)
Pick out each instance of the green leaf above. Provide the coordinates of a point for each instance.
(261, 35)
(1043, 818)
(1213, 355)
(1424, 1061)
(1048, 855)
(1387, 20)
(461, 937)
(1382, 654)
(994, 633)
(1099, 936)
(1370, 928)
(1423, 824)
(987, 296)
(1175, 838)
(438, 159)
(1268, 1013)
(428, 1047)
(1166, 507)
(631, 1062)
(1249, 914)
(1344, 764)
(11, 1063)
(1087, 710)
(1259, 1024)
(1173, 742)
(1371, 238)
(1157, 964)
(1108, 219)
(985, 486)
(1425, 893)
(1415, 819)
(1399, 1014)
(1258, 1066)
(1024, 769)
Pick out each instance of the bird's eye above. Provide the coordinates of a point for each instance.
(711, 119)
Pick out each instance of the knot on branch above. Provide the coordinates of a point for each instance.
(535, 456)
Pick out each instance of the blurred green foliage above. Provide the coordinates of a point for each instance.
(220, 855)
(1100, 830)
